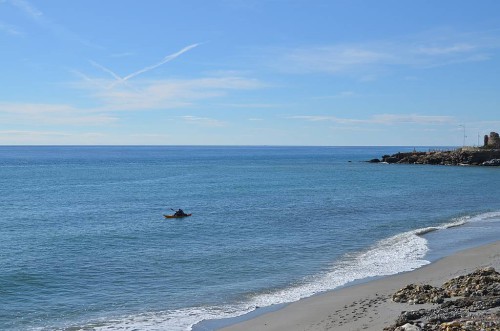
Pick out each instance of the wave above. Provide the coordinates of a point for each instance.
(460, 221)
(399, 253)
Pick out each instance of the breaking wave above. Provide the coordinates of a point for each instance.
(399, 253)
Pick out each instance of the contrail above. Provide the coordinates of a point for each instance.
(103, 68)
(165, 60)
(112, 73)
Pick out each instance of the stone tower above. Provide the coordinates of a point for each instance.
(493, 140)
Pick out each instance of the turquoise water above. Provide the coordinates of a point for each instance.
(84, 245)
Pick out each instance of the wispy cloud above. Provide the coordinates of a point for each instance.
(33, 133)
(333, 59)
(162, 94)
(41, 137)
(439, 48)
(388, 119)
(37, 16)
(204, 121)
(339, 95)
(251, 105)
(321, 118)
(28, 9)
(52, 114)
(135, 93)
(446, 50)
(10, 29)
(412, 118)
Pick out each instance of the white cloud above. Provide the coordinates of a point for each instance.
(493, 124)
(161, 94)
(339, 95)
(251, 105)
(27, 137)
(33, 133)
(204, 121)
(52, 114)
(388, 119)
(334, 59)
(320, 118)
(132, 93)
(412, 118)
(367, 59)
(452, 49)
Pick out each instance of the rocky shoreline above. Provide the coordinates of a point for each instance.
(461, 156)
(470, 302)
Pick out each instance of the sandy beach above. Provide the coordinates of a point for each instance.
(368, 306)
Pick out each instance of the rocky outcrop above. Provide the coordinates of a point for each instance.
(483, 282)
(419, 294)
(478, 156)
(477, 308)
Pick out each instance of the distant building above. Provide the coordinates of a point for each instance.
(492, 141)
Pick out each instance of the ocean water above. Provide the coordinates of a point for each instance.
(84, 244)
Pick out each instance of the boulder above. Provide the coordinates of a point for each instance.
(419, 294)
(482, 282)
(493, 162)
(408, 327)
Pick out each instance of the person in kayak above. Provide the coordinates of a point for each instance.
(180, 212)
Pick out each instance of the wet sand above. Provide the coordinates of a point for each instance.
(368, 306)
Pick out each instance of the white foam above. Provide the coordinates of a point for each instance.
(491, 216)
(396, 254)
(400, 253)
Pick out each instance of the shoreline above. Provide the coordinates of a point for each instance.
(365, 306)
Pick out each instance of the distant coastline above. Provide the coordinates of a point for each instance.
(462, 156)
(487, 155)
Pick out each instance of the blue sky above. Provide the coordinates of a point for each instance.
(248, 72)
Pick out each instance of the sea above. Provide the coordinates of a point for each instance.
(84, 244)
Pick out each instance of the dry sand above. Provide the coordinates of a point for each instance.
(368, 306)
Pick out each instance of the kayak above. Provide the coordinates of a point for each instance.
(173, 216)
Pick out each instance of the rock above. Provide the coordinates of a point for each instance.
(482, 282)
(408, 327)
(479, 310)
(373, 161)
(479, 156)
(408, 316)
(492, 162)
(391, 159)
(419, 294)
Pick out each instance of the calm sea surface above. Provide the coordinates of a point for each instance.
(84, 245)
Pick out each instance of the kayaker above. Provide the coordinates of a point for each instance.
(180, 212)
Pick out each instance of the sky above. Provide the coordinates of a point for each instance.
(249, 72)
